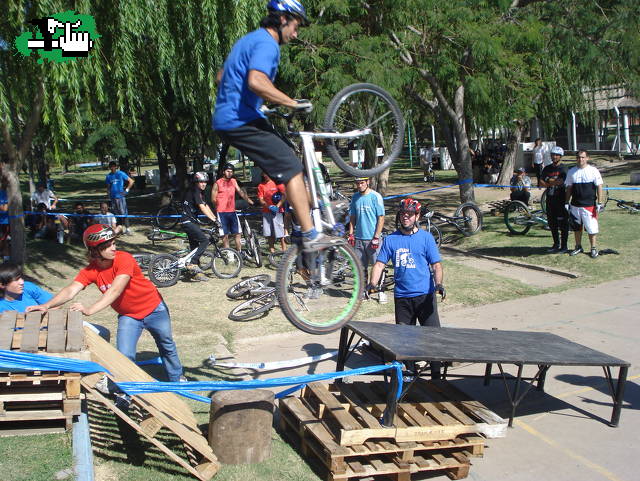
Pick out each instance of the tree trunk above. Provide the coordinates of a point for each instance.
(16, 217)
(163, 165)
(381, 182)
(509, 162)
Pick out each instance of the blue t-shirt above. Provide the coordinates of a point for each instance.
(366, 209)
(116, 183)
(31, 296)
(411, 256)
(236, 104)
(4, 200)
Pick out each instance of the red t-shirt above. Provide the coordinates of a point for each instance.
(266, 190)
(138, 299)
(226, 197)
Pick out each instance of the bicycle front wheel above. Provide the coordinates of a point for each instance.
(543, 202)
(470, 221)
(361, 106)
(238, 290)
(517, 217)
(253, 308)
(166, 217)
(227, 263)
(163, 270)
(320, 292)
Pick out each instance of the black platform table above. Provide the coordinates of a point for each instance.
(520, 348)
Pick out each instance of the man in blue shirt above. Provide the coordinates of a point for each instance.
(366, 220)
(415, 256)
(244, 83)
(117, 191)
(16, 293)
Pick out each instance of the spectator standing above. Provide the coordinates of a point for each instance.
(366, 220)
(107, 218)
(539, 158)
(272, 198)
(520, 185)
(553, 178)
(584, 201)
(223, 198)
(123, 286)
(417, 271)
(118, 186)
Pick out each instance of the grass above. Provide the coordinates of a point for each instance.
(199, 313)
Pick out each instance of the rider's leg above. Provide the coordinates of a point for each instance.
(225, 240)
(238, 242)
(299, 199)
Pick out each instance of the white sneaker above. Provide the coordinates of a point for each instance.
(103, 385)
(382, 298)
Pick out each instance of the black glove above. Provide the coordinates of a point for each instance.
(441, 290)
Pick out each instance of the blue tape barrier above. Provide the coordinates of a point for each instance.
(133, 388)
(464, 181)
(22, 361)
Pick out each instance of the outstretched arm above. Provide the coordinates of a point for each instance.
(117, 286)
(65, 295)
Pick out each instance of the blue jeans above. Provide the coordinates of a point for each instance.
(158, 323)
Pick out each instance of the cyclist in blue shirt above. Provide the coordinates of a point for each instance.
(244, 83)
(16, 293)
(415, 256)
(117, 191)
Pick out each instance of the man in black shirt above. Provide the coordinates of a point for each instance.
(193, 205)
(553, 177)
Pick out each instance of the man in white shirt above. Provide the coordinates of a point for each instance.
(43, 196)
(583, 201)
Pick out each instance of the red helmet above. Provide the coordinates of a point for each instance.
(409, 205)
(97, 234)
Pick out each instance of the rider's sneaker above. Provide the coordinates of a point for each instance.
(563, 249)
(194, 269)
(576, 251)
(594, 253)
(321, 241)
(553, 249)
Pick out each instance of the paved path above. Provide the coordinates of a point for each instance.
(561, 434)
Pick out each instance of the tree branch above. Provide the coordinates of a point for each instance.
(432, 104)
(31, 125)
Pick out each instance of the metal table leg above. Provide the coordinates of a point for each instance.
(619, 396)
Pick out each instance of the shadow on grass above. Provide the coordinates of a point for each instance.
(512, 251)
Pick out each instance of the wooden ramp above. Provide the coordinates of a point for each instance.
(160, 410)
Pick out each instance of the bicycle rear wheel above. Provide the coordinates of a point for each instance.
(253, 308)
(517, 217)
(543, 202)
(238, 290)
(253, 248)
(163, 270)
(360, 106)
(472, 222)
(162, 219)
(319, 292)
(227, 263)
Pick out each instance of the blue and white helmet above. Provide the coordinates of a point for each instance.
(290, 6)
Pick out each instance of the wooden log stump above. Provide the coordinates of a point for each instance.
(240, 426)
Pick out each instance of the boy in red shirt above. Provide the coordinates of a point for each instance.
(223, 198)
(271, 198)
(124, 288)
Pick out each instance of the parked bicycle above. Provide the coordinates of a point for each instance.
(261, 297)
(628, 205)
(519, 218)
(168, 215)
(363, 131)
(467, 219)
(165, 269)
(250, 244)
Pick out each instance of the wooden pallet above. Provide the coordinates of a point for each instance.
(310, 435)
(431, 411)
(58, 331)
(159, 411)
(38, 402)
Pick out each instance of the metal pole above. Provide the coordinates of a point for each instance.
(574, 137)
(433, 136)
(409, 124)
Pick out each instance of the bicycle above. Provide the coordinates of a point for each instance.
(164, 269)
(320, 292)
(628, 205)
(467, 219)
(250, 244)
(168, 215)
(519, 218)
(245, 286)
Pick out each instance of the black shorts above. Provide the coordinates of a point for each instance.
(260, 142)
(423, 309)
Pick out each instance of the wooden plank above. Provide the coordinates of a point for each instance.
(364, 416)
(32, 394)
(7, 325)
(75, 331)
(56, 338)
(334, 407)
(31, 332)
